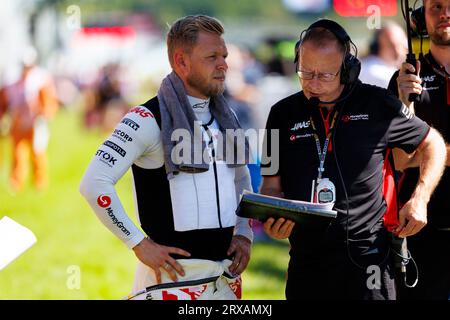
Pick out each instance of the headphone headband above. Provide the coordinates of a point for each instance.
(351, 66)
(333, 27)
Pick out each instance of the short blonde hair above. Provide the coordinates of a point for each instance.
(184, 32)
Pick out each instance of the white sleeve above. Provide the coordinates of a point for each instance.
(135, 136)
(242, 182)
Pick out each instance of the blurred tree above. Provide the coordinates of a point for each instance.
(169, 10)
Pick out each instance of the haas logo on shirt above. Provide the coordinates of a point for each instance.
(429, 78)
(300, 125)
(142, 112)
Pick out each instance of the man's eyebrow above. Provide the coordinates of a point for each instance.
(215, 52)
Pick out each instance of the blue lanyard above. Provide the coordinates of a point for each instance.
(322, 153)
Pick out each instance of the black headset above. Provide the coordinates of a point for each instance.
(351, 66)
(418, 23)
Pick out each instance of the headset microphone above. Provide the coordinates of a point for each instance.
(314, 101)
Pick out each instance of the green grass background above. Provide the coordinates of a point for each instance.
(71, 238)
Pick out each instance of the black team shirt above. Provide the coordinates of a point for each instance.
(370, 121)
(434, 108)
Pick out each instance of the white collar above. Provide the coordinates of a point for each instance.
(199, 104)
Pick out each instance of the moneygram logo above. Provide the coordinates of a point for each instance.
(103, 201)
(117, 222)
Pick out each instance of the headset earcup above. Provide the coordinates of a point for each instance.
(350, 69)
(354, 70)
(344, 73)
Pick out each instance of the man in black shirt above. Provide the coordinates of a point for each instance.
(338, 130)
(431, 247)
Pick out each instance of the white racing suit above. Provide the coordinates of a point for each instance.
(203, 280)
(184, 211)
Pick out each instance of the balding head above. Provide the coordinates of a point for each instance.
(393, 44)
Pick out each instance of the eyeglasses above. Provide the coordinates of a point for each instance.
(322, 76)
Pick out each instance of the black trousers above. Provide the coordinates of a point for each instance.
(333, 276)
(430, 248)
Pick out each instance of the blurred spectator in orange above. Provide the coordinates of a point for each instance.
(387, 51)
(31, 102)
(3, 126)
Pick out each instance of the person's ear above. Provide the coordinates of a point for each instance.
(181, 60)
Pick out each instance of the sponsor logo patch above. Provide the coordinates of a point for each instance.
(300, 125)
(295, 137)
(201, 105)
(122, 135)
(192, 293)
(103, 201)
(429, 78)
(144, 113)
(133, 125)
(117, 222)
(354, 117)
(236, 286)
(115, 147)
(106, 158)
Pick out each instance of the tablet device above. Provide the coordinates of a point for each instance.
(262, 207)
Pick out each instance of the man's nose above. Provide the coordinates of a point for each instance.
(315, 82)
(445, 13)
(222, 64)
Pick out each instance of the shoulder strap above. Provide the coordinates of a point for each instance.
(153, 106)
